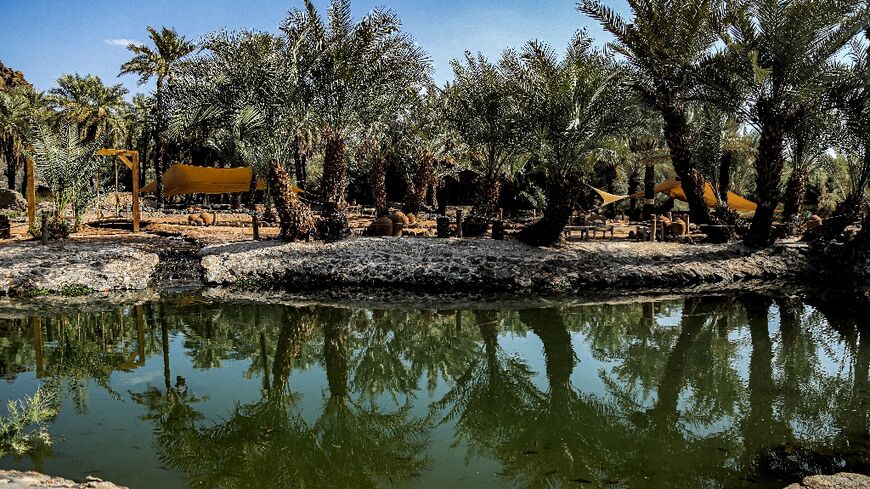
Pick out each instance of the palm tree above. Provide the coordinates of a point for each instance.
(244, 91)
(667, 47)
(19, 108)
(95, 107)
(484, 115)
(355, 64)
(572, 106)
(782, 51)
(160, 62)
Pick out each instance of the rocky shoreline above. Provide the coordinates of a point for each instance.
(77, 266)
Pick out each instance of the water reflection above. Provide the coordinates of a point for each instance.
(717, 391)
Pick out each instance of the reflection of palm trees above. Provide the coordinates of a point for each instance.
(269, 443)
(490, 400)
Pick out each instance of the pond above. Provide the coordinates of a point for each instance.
(700, 391)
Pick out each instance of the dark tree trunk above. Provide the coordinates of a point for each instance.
(159, 146)
(486, 200)
(557, 213)
(379, 184)
(795, 192)
(416, 188)
(649, 193)
(726, 161)
(11, 162)
(252, 192)
(297, 220)
(333, 225)
(769, 164)
(610, 176)
(299, 162)
(633, 188)
(693, 183)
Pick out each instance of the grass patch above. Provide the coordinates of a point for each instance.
(76, 290)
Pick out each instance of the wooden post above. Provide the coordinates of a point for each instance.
(500, 214)
(44, 229)
(686, 231)
(117, 193)
(135, 155)
(31, 193)
(459, 223)
(140, 335)
(652, 233)
(255, 225)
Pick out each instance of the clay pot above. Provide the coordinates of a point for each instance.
(412, 219)
(207, 219)
(194, 220)
(382, 226)
(400, 218)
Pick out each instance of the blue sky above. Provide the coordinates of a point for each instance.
(46, 38)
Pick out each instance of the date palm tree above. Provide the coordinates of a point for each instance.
(572, 105)
(161, 63)
(667, 46)
(782, 52)
(85, 101)
(19, 108)
(486, 118)
(244, 90)
(357, 62)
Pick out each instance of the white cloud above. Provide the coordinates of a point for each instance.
(122, 42)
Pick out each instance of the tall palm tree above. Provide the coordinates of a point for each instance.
(160, 62)
(19, 108)
(244, 89)
(357, 63)
(572, 106)
(667, 45)
(484, 115)
(782, 52)
(95, 107)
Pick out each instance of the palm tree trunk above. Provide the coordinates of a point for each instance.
(768, 171)
(252, 192)
(725, 163)
(795, 192)
(649, 192)
(336, 352)
(557, 213)
(486, 201)
(11, 162)
(693, 182)
(417, 185)
(378, 179)
(297, 220)
(159, 146)
(333, 225)
(633, 187)
(299, 162)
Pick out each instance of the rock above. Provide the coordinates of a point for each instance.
(13, 479)
(382, 226)
(93, 264)
(10, 78)
(12, 200)
(843, 480)
(813, 222)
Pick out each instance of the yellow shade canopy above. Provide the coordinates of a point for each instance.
(674, 189)
(188, 179)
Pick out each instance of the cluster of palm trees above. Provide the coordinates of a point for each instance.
(760, 96)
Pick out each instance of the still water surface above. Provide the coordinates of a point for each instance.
(718, 391)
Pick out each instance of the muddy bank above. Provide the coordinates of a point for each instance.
(502, 266)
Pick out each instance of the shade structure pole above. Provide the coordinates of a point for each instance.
(135, 155)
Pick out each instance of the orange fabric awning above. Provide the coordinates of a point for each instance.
(674, 189)
(188, 179)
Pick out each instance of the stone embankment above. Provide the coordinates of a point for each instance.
(420, 264)
(80, 265)
(451, 265)
(13, 479)
(843, 480)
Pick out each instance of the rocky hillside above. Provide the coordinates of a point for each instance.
(10, 78)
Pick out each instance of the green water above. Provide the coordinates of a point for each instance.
(719, 391)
